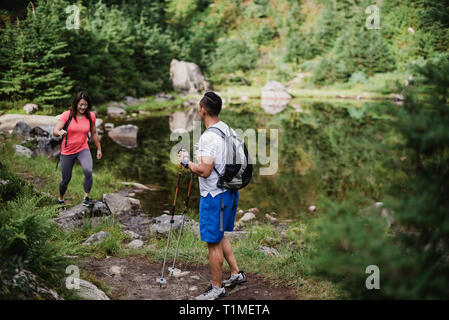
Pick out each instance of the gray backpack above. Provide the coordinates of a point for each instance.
(238, 168)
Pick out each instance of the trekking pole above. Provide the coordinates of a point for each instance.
(162, 280)
(173, 269)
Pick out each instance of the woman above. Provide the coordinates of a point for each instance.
(74, 144)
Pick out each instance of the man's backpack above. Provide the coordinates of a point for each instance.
(238, 168)
(66, 125)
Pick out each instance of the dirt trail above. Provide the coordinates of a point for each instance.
(136, 280)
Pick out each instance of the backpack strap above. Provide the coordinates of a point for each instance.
(219, 132)
(66, 125)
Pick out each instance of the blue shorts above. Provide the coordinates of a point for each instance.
(210, 227)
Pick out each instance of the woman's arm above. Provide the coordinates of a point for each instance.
(57, 130)
(96, 140)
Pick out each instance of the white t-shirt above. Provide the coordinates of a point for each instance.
(213, 145)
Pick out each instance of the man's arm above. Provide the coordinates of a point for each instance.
(204, 167)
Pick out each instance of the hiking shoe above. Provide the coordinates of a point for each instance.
(87, 202)
(212, 293)
(235, 279)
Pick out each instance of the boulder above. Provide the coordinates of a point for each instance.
(271, 218)
(108, 126)
(115, 112)
(73, 217)
(187, 77)
(27, 282)
(23, 151)
(160, 97)
(30, 108)
(96, 237)
(89, 291)
(125, 135)
(131, 101)
(161, 224)
(115, 270)
(132, 234)
(135, 244)
(22, 130)
(8, 121)
(118, 204)
(247, 217)
(275, 97)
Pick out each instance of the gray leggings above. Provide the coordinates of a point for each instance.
(67, 161)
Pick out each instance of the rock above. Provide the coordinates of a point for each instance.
(118, 204)
(184, 121)
(254, 211)
(125, 135)
(268, 250)
(160, 97)
(108, 126)
(275, 97)
(115, 112)
(73, 217)
(4, 182)
(135, 244)
(89, 291)
(271, 218)
(193, 288)
(398, 97)
(187, 77)
(22, 130)
(31, 288)
(115, 270)
(236, 235)
(132, 234)
(137, 185)
(23, 151)
(247, 217)
(240, 212)
(161, 224)
(312, 209)
(131, 101)
(30, 108)
(195, 277)
(411, 30)
(98, 122)
(269, 241)
(96, 237)
(178, 273)
(8, 121)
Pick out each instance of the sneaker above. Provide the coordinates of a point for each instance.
(212, 293)
(61, 204)
(87, 202)
(235, 279)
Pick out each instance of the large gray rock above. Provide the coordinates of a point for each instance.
(30, 108)
(115, 112)
(73, 217)
(27, 282)
(8, 121)
(187, 77)
(22, 151)
(125, 135)
(135, 244)
(161, 224)
(89, 291)
(22, 130)
(275, 97)
(184, 120)
(236, 235)
(118, 204)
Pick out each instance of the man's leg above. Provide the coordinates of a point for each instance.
(229, 255)
(216, 262)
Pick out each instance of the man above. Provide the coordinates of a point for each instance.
(211, 162)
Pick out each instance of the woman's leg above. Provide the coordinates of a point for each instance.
(67, 162)
(85, 159)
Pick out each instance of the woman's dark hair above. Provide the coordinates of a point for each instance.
(212, 103)
(74, 108)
